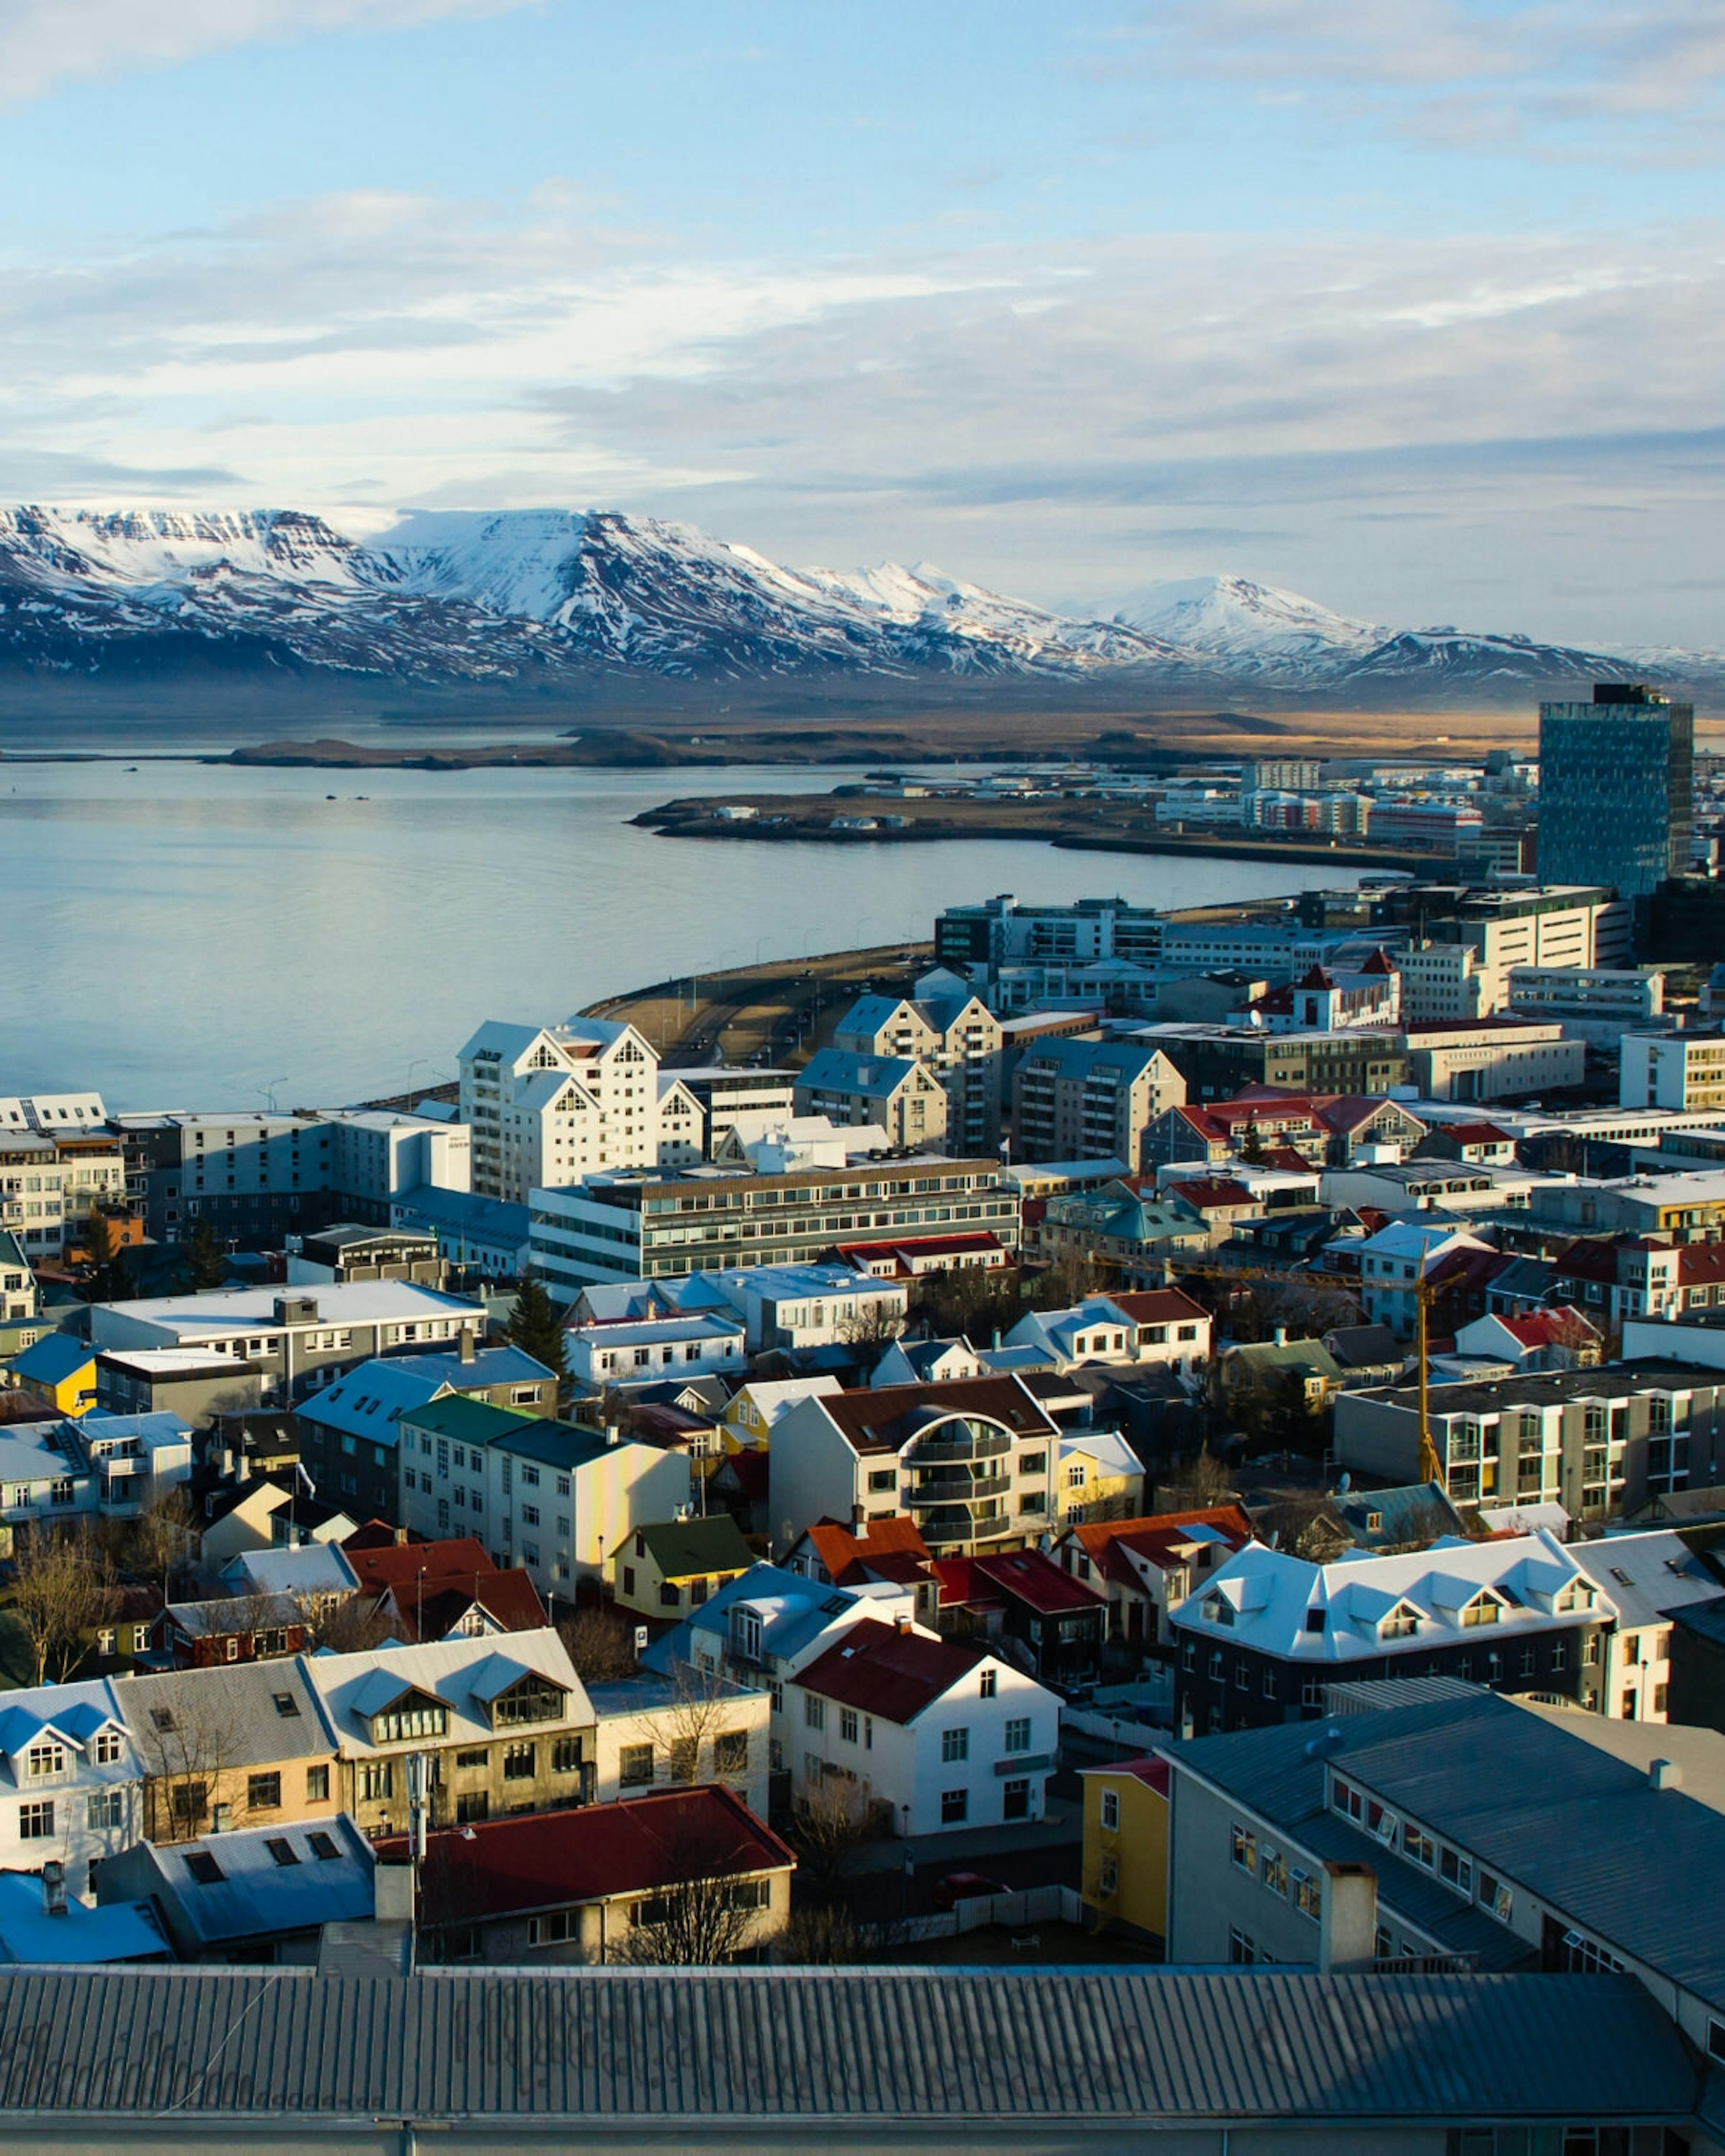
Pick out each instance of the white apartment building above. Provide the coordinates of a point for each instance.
(1646, 1578)
(51, 1112)
(935, 1735)
(71, 1783)
(1558, 927)
(376, 1154)
(1672, 1071)
(626, 1351)
(956, 1038)
(892, 1092)
(548, 1106)
(104, 1466)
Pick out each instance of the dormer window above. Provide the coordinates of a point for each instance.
(415, 1714)
(533, 1699)
(1579, 1595)
(746, 1635)
(1218, 1609)
(1485, 1609)
(46, 1760)
(1402, 1622)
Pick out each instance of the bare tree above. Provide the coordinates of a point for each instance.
(833, 1822)
(601, 1644)
(875, 1324)
(186, 1740)
(1196, 1484)
(161, 1539)
(705, 1907)
(64, 1589)
(702, 1708)
(345, 1623)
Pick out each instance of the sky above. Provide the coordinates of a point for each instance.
(1412, 306)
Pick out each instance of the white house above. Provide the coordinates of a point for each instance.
(641, 1351)
(1391, 1263)
(1555, 1339)
(937, 1736)
(70, 1780)
(1149, 1325)
(110, 1466)
(688, 1725)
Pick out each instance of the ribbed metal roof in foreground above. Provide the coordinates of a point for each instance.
(761, 2045)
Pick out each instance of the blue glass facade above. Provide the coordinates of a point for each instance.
(1615, 776)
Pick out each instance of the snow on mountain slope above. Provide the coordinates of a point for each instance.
(551, 596)
(1254, 627)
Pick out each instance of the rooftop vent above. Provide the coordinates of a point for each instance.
(1665, 1774)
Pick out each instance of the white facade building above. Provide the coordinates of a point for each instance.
(1677, 1070)
(548, 1106)
(642, 1351)
(1490, 1059)
(71, 1783)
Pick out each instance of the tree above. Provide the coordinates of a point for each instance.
(833, 1821)
(1252, 1146)
(160, 1538)
(64, 1589)
(703, 1907)
(204, 1254)
(345, 1623)
(103, 1266)
(1196, 1484)
(535, 1327)
(601, 1645)
(187, 1741)
(875, 1324)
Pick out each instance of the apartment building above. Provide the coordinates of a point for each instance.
(549, 1106)
(895, 1092)
(630, 1226)
(1595, 1004)
(1144, 1567)
(1601, 1442)
(1217, 1062)
(1156, 1326)
(97, 1466)
(1261, 1639)
(469, 1729)
(1682, 1070)
(956, 1038)
(556, 1498)
(296, 1340)
(1557, 926)
(641, 1351)
(807, 1306)
(999, 932)
(1090, 1100)
(972, 1462)
(50, 1180)
(752, 1103)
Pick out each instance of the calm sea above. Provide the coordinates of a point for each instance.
(200, 935)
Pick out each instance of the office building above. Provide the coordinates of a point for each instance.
(1615, 776)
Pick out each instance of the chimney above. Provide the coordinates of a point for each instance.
(1281, 1335)
(1348, 1923)
(1665, 1774)
(612, 1433)
(392, 1891)
(400, 1536)
(53, 1888)
(466, 1349)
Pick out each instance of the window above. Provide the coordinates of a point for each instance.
(955, 1807)
(1305, 1895)
(635, 1765)
(46, 1760)
(263, 1793)
(190, 1801)
(317, 1785)
(204, 1868)
(530, 1516)
(814, 1711)
(731, 1752)
(848, 1724)
(1111, 1810)
(988, 1683)
(282, 1850)
(518, 1762)
(1244, 1847)
(955, 1745)
(1015, 1800)
(416, 1715)
(1240, 1948)
(376, 1780)
(1457, 1869)
(884, 1478)
(108, 1748)
(1497, 1897)
(1108, 1876)
(106, 1809)
(1418, 1845)
(565, 1756)
(532, 1700)
(35, 1821)
(1273, 1869)
(1018, 1733)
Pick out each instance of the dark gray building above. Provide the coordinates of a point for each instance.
(1615, 778)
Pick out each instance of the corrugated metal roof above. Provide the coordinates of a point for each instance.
(941, 2045)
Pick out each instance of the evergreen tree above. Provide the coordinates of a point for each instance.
(99, 1283)
(535, 1327)
(1251, 1149)
(207, 1260)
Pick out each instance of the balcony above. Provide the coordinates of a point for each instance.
(951, 1490)
(943, 1531)
(960, 1445)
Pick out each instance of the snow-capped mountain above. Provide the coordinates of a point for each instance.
(534, 598)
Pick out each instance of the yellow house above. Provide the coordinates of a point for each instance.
(666, 1569)
(754, 1408)
(1126, 1847)
(1101, 1478)
(59, 1370)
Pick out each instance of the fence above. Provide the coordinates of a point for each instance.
(1028, 1906)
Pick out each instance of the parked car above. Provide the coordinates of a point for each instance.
(965, 1886)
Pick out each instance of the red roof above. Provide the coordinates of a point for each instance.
(431, 1586)
(1212, 1191)
(883, 1671)
(1378, 962)
(1157, 1537)
(594, 1853)
(1467, 1268)
(1153, 1771)
(1475, 1134)
(1158, 1306)
(1027, 1576)
(903, 1248)
(844, 1553)
(1548, 1328)
(443, 1563)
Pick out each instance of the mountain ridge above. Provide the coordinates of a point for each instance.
(542, 600)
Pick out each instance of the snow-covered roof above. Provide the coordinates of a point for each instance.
(464, 1674)
(1107, 1448)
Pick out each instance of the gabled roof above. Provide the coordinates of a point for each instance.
(693, 1549)
(599, 1852)
(1028, 1576)
(886, 1541)
(464, 1421)
(889, 1418)
(1161, 1539)
(258, 1882)
(463, 1674)
(255, 1714)
(895, 1674)
(52, 1359)
(1547, 1328)
(1158, 1306)
(1212, 1191)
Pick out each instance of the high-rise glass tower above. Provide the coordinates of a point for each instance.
(1614, 783)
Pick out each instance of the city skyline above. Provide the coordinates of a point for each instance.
(1414, 312)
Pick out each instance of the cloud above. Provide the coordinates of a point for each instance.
(1550, 77)
(45, 43)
